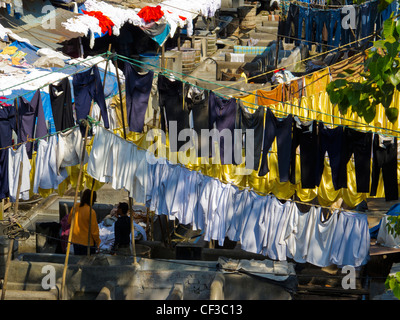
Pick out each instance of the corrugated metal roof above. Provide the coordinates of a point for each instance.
(31, 26)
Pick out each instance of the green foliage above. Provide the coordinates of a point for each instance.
(381, 77)
(393, 282)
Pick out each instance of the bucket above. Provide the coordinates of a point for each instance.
(247, 16)
(4, 249)
(143, 251)
(152, 59)
(188, 59)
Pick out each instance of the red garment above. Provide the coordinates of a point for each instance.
(149, 14)
(105, 22)
(4, 104)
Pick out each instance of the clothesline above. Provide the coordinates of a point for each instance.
(301, 61)
(97, 123)
(221, 210)
(166, 71)
(188, 83)
(55, 72)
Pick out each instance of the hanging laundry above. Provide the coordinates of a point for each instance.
(281, 129)
(61, 104)
(331, 142)
(354, 63)
(305, 136)
(69, 149)
(185, 198)
(384, 157)
(105, 23)
(197, 101)
(215, 202)
(4, 104)
(32, 123)
(351, 240)
(174, 112)
(253, 126)
(275, 217)
(316, 82)
(235, 219)
(270, 97)
(360, 144)
(309, 237)
(151, 14)
(137, 90)
(7, 125)
(252, 229)
(46, 173)
(119, 162)
(88, 87)
(294, 90)
(15, 158)
(223, 114)
(100, 161)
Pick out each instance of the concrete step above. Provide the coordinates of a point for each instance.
(31, 295)
(267, 30)
(268, 23)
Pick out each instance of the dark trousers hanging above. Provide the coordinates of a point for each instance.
(224, 115)
(291, 24)
(331, 142)
(252, 122)
(32, 123)
(61, 104)
(87, 88)
(197, 104)
(360, 144)
(176, 113)
(384, 157)
(281, 129)
(7, 124)
(305, 136)
(137, 90)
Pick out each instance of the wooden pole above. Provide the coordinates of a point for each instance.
(2, 209)
(12, 240)
(63, 293)
(162, 58)
(92, 189)
(129, 195)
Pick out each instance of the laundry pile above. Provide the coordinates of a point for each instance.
(159, 22)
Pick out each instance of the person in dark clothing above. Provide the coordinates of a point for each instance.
(122, 231)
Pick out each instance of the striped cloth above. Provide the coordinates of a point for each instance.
(250, 50)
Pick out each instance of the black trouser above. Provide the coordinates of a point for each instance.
(61, 104)
(32, 122)
(331, 141)
(88, 87)
(137, 89)
(254, 122)
(360, 144)
(384, 156)
(282, 130)
(171, 101)
(197, 103)
(291, 25)
(305, 136)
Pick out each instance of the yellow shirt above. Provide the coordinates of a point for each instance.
(81, 226)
